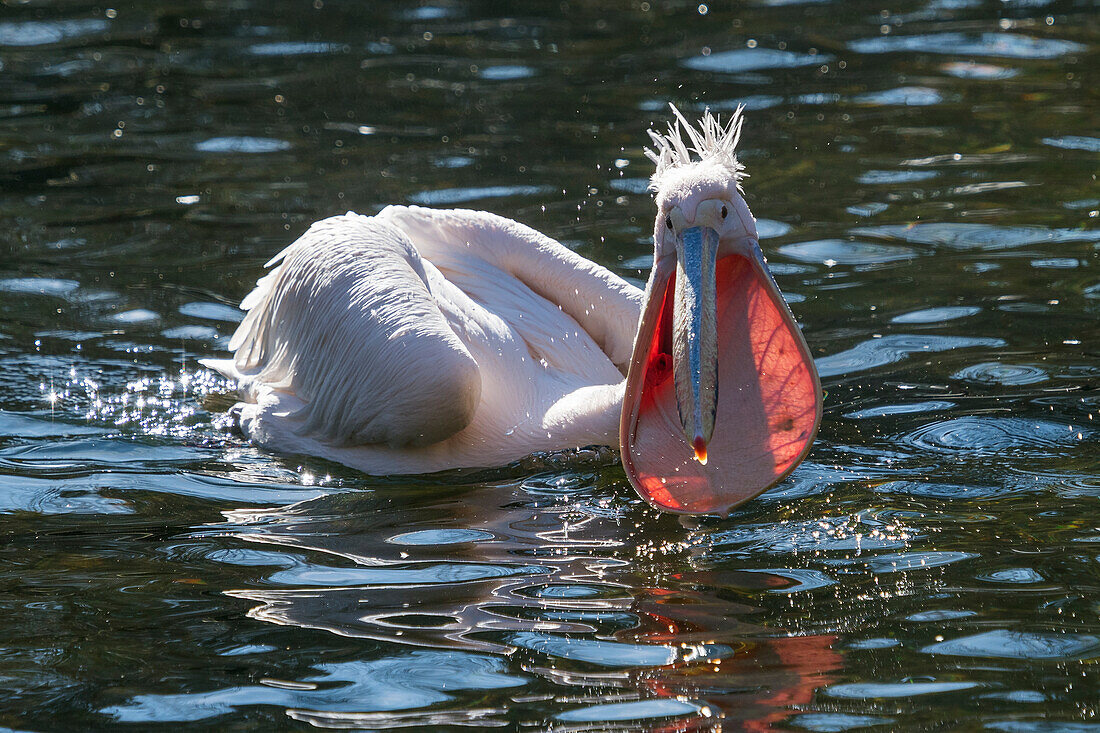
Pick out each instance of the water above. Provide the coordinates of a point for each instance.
(926, 171)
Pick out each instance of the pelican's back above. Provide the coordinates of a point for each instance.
(347, 324)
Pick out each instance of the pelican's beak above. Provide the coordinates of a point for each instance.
(695, 336)
(722, 397)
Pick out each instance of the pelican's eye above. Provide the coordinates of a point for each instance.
(668, 222)
(725, 212)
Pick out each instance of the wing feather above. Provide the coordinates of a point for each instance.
(346, 323)
(606, 306)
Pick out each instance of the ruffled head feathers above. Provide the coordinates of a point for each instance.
(714, 144)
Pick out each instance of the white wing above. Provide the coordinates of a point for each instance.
(420, 327)
(346, 323)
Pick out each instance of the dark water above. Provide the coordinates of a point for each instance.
(925, 172)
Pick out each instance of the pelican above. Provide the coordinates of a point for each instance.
(419, 340)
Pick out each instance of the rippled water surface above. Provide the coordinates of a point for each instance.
(925, 174)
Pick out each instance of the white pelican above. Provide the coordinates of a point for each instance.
(419, 340)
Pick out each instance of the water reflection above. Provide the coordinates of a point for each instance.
(416, 679)
(1019, 645)
(754, 59)
(976, 236)
(40, 33)
(924, 176)
(416, 573)
(888, 690)
(998, 45)
(1002, 436)
(893, 348)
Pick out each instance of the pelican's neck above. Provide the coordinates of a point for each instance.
(586, 416)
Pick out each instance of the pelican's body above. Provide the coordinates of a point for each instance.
(420, 340)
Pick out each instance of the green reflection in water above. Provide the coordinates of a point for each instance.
(927, 173)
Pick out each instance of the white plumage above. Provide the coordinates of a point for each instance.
(420, 340)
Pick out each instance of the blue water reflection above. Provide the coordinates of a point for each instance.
(924, 180)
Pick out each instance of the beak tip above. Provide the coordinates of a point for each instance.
(700, 447)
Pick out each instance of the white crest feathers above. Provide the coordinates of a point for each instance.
(712, 141)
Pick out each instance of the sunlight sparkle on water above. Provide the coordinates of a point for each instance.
(158, 405)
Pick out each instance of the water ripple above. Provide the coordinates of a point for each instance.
(836, 722)
(413, 680)
(1003, 45)
(986, 237)
(41, 33)
(907, 408)
(13, 424)
(39, 286)
(840, 252)
(986, 435)
(212, 312)
(937, 315)
(975, 70)
(1074, 142)
(893, 348)
(297, 48)
(1056, 263)
(1004, 644)
(432, 537)
(243, 144)
(939, 615)
(560, 591)
(754, 59)
(887, 690)
(135, 317)
(828, 534)
(610, 653)
(191, 333)
(875, 177)
(448, 196)
(802, 579)
(80, 491)
(506, 72)
(43, 496)
(942, 491)
(1041, 726)
(901, 96)
(992, 372)
(877, 643)
(915, 560)
(106, 451)
(1021, 696)
(768, 228)
(751, 102)
(639, 710)
(1021, 576)
(816, 98)
(439, 574)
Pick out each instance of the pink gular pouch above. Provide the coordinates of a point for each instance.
(722, 397)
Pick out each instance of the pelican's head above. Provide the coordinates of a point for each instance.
(722, 398)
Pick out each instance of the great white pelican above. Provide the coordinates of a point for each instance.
(419, 340)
